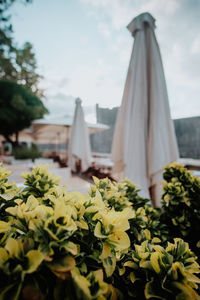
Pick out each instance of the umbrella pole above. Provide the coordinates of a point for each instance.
(152, 196)
(155, 192)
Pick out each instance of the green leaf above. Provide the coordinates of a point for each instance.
(62, 266)
(149, 291)
(11, 291)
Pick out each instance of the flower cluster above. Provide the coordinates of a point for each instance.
(124, 194)
(107, 244)
(70, 234)
(40, 180)
(158, 272)
(181, 203)
(8, 191)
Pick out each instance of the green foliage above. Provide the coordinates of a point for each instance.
(8, 192)
(26, 152)
(69, 235)
(120, 195)
(181, 203)
(153, 272)
(39, 181)
(18, 108)
(107, 244)
(16, 64)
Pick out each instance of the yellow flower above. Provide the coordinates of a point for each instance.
(147, 234)
(106, 252)
(132, 277)
(156, 240)
(122, 271)
(155, 256)
(96, 180)
(62, 219)
(120, 239)
(14, 247)
(170, 247)
(187, 291)
(16, 210)
(97, 231)
(96, 277)
(62, 267)
(35, 258)
(158, 248)
(31, 203)
(82, 224)
(109, 264)
(41, 212)
(77, 199)
(82, 282)
(97, 201)
(118, 219)
(27, 210)
(70, 247)
(4, 228)
(3, 256)
(130, 264)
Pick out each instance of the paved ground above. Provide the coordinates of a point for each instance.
(74, 183)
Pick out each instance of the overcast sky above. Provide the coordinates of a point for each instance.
(83, 49)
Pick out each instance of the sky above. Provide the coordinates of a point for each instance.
(83, 50)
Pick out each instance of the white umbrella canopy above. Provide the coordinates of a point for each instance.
(50, 129)
(144, 139)
(79, 143)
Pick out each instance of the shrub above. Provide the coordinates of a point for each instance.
(181, 204)
(8, 192)
(25, 152)
(107, 244)
(156, 272)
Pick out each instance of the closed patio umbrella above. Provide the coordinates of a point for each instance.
(144, 139)
(79, 143)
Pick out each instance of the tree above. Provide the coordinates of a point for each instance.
(6, 43)
(18, 108)
(5, 26)
(20, 65)
(16, 64)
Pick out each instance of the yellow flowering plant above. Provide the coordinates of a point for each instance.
(107, 244)
(181, 204)
(156, 272)
(39, 181)
(123, 195)
(8, 191)
(76, 235)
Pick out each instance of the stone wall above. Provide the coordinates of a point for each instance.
(102, 141)
(187, 133)
(188, 136)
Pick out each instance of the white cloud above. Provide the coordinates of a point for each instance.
(60, 104)
(93, 84)
(97, 86)
(84, 40)
(168, 7)
(195, 48)
(63, 82)
(104, 30)
(177, 32)
(120, 11)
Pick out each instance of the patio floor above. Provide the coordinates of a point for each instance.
(73, 182)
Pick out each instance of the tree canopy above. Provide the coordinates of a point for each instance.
(19, 80)
(16, 63)
(18, 108)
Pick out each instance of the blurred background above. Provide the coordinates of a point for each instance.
(64, 49)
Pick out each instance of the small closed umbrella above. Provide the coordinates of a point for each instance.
(144, 139)
(79, 143)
